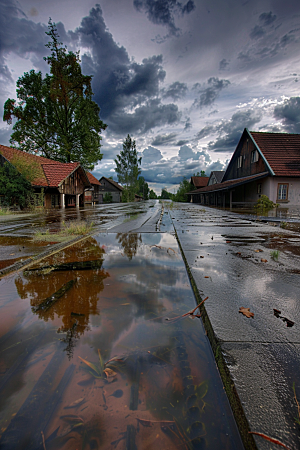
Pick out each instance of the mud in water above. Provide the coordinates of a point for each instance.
(91, 357)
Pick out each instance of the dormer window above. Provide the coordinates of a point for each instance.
(254, 156)
(239, 162)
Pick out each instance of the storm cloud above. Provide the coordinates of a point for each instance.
(289, 114)
(210, 93)
(164, 12)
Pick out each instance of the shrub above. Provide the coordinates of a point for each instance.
(264, 204)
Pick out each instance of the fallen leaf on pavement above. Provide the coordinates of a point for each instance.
(268, 438)
(264, 260)
(246, 312)
(258, 250)
(110, 374)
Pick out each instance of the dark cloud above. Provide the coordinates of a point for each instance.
(175, 91)
(150, 155)
(18, 35)
(257, 32)
(164, 139)
(163, 12)
(188, 124)
(267, 18)
(223, 64)
(209, 94)
(126, 91)
(206, 131)
(289, 114)
(144, 118)
(230, 131)
(181, 142)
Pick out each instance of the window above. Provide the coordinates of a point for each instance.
(239, 162)
(282, 193)
(254, 156)
(259, 188)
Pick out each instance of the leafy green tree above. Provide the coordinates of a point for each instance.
(165, 195)
(152, 195)
(184, 187)
(143, 188)
(14, 187)
(128, 169)
(56, 116)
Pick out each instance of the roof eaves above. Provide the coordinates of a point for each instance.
(260, 152)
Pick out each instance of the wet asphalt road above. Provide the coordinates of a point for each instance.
(230, 259)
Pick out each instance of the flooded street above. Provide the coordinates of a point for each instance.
(95, 353)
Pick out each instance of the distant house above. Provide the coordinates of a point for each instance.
(199, 182)
(215, 177)
(93, 195)
(63, 184)
(109, 186)
(138, 198)
(263, 163)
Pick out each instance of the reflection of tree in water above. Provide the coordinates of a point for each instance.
(130, 243)
(76, 305)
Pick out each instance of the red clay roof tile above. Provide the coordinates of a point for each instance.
(92, 179)
(281, 150)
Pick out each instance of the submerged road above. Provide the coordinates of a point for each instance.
(232, 260)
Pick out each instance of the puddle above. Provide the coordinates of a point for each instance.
(89, 358)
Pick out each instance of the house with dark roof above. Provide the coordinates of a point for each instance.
(93, 195)
(262, 164)
(109, 186)
(215, 177)
(63, 184)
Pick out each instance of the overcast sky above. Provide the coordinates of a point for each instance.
(183, 78)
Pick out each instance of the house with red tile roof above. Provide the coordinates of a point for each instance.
(93, 194)
(63, 184)
(262, 164)
(199, 182)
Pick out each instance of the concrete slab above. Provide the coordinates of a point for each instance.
(231, 262)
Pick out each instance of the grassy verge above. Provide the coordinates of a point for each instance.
(229, 386)
(67, 231)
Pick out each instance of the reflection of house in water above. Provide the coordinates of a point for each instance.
(63, 184)
(130, 243)
(81, 262)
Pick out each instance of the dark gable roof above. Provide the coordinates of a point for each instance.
(114, 183)
(49, 173)
(218, 174)
(281, 151)
(199, 181)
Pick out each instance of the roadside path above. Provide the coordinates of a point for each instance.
(261, 353)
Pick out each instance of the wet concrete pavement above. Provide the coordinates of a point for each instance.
(229, 257)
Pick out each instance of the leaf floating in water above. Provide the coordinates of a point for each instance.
(77, 402)
(118, 393)
(246, 312)
(171, 250)
(91, 365)
(110, 374)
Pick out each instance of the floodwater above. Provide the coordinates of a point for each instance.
(95, 353)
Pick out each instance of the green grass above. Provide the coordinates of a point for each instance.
(275, 255)
(4, 212)
(67, 231)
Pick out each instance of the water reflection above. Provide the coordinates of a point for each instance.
(130, 243)
(67, 286)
